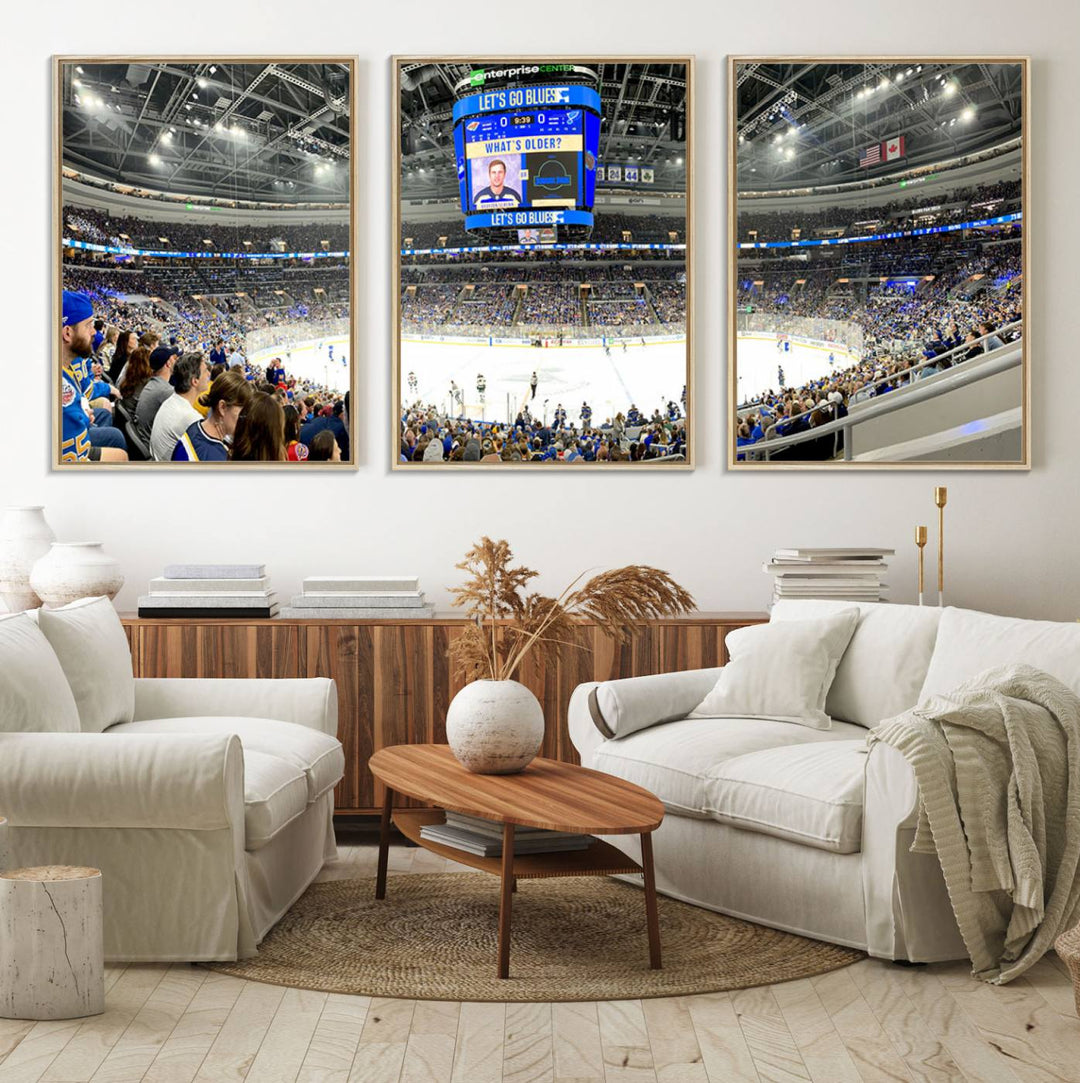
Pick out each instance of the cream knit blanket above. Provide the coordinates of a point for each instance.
(998, 766)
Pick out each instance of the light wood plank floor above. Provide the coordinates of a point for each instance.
(872, 1021)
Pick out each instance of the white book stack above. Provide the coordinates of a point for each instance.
(848, 574)
(484, 837)
(360, 597)
(210, 590)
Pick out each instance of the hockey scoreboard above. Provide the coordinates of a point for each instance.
(526, 156)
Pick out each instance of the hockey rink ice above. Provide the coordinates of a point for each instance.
(311, 361)
(647, 376)
(758, 359)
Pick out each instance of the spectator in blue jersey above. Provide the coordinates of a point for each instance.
(76, 347)
(99, 336)
(208, 440)
(218, 356)
(337, 423)
(496, 193)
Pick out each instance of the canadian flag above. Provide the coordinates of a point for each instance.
(893, 148)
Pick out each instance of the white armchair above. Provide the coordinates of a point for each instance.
(207, 804)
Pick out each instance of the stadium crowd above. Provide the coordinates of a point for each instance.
(957, 206)
(129, 393)
(909, 334)
(430, 435)
(91, 224)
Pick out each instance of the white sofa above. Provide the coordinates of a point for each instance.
(804, 829)
(207, 804)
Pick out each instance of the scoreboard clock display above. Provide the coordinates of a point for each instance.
(526, 157)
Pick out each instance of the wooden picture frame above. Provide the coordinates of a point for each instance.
(158, 139)
(521, 312)
(880, 220)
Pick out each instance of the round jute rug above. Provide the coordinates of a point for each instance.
(434, 938)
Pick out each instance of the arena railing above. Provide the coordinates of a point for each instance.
(1005, 357)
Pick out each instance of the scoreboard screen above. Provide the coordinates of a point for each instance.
(526, 156)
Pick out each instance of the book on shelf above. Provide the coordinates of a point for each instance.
(404, 599)
(307, 612)
(352, 584)
(215, 571)
(208, 586)
(864, 568)
(191, 613)
(494, 829)
(482, 845)
(260, 599)
(832, 554)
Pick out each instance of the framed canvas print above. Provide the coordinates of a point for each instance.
(878, 263)
(204, 220)
(542, 262)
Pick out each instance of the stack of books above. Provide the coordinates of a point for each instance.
(484, 837)
(210, 590)
(361, 597)
(850, 575)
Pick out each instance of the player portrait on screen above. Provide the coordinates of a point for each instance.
(497, 192)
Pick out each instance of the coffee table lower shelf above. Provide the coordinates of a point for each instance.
(599, 859)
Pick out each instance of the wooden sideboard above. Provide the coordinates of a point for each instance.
(393, 678)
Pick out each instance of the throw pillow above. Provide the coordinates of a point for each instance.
(93, 649)
(781, 671)
(34, 693)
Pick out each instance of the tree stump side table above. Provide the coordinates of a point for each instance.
(52, 951)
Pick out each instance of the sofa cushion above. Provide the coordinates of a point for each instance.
(93, 649)
(34, 693)
(886, 661)
(970, 642)
(275, 793)
(624, 706)
(781, 671)
(317, 754)
(808, 793)
(678, 761)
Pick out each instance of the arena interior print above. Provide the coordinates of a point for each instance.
(204, 283)
(543, 218)
(879, 270)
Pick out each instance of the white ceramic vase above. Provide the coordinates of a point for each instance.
(73, 570)
(495, 727)
(25, 536)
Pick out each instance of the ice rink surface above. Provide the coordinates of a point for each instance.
(759, 359)
(312, 361)
(646, 376)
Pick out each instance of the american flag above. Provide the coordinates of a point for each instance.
(870, 156)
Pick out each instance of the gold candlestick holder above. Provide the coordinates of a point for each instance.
(920, 541)
(941, 494)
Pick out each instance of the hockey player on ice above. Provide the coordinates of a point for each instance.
(533, 381)
(481, 385)
(413, 383)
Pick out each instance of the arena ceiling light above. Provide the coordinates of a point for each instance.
(968, 113)
(950, 89)
(154, 159)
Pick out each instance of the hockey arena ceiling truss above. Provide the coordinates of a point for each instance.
(808, 123)
(643, 122)
(264, 132)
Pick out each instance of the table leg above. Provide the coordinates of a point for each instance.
(507, 887)
(384, 843)
(651, 915)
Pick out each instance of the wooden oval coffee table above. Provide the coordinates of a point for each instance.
(547, 794)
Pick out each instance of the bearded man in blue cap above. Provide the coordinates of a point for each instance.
(81, 440)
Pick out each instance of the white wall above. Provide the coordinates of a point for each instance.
(1012, 538)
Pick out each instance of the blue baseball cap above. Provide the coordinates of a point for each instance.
(77, 307)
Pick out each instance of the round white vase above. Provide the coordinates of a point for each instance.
(495, 727)
(73, 570)
(25, 537)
